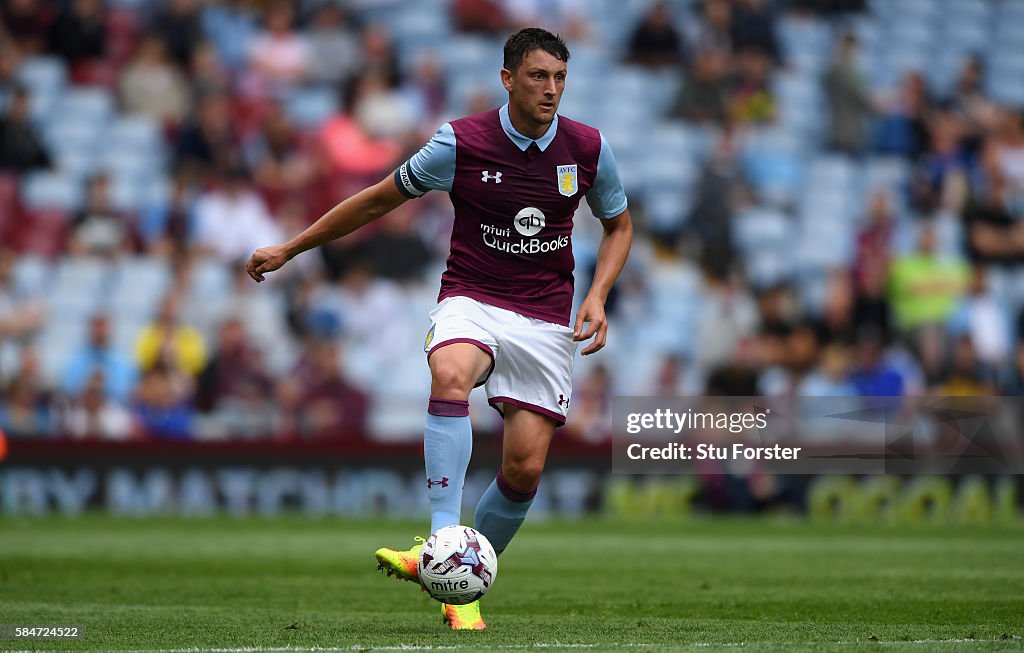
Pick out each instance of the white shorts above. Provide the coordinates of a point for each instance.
(531, 359)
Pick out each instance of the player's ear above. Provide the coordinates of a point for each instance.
(506, 79)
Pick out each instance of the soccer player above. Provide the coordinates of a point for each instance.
(515, 176)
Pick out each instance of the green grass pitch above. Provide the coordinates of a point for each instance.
(706, 585)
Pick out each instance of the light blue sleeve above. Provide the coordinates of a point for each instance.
(432, 168)
(606, 198)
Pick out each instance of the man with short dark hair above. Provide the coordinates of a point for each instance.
(515, 176)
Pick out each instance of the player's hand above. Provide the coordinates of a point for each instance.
(592, 314)
(266, 259)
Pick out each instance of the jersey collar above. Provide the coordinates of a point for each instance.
(523, 142)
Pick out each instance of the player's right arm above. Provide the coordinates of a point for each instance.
(360, 209)
(432, 168)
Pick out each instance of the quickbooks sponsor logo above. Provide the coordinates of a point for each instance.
(524, 246)
(529, 221)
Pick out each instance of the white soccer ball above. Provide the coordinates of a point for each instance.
(457, 565)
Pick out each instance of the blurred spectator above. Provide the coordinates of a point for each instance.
(232, 221)
(169, 343)
(279, 57)
(79, 34)
(98, 356)
(179, 27)
(207, 75)
(850, 101)
(831, 378)
(92, 413)
(677, 377)
(21, 315)
(715, 25)
(902, 128)
(737, 378)
(380, 58)
(592, 407)
(99, 229)
(369, 311)
(230, 25)
(752, 27)
(481, 16)
(703, 98)
(940, 180)
(426, 90)
(208, 142)
(837, 323)
(977, 112)
(750, 95)
(266, 326)
(992, 219)
(923, 286)
(721, 189)
(325, 404)
(874, 241)
(827, 8)
(334, 56)
(655, 41)
(235, 385)
(167, 227)
(21, 149)
(967, 376)
(1014, 384)
(28, 23)
(380, 110)
(566, 17)
(728, 316)
(281, 159)
(871, 307)
(10, 60)
(353, 152)
(872, 375)
(1010, 150)
(982, 317)
(152, 87)
(27, 411)
(163, 403)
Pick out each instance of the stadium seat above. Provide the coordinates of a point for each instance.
(762, 228)
(88, 104)
(51, 190)
(46, 75)
(309, 108)
(210, 280)
(70, 133)
(135, 132)
(32, 275)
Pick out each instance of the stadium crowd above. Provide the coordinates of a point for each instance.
(829, 198)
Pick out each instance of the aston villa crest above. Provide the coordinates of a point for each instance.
(567, 184)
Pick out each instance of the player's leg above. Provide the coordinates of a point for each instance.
(459, 359)
(455, 369)
(504, 504)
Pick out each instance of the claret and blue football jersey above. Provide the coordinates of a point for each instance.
(514, 200)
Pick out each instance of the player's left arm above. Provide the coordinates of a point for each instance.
(611, 257)
(607, 200)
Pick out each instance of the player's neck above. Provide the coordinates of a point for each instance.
(525, 126)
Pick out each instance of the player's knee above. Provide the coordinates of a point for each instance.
(522, 474)
(448, 381)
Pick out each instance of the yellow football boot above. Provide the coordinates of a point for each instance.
(463, 617)
(403, 565)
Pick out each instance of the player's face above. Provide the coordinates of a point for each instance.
(535, 89)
